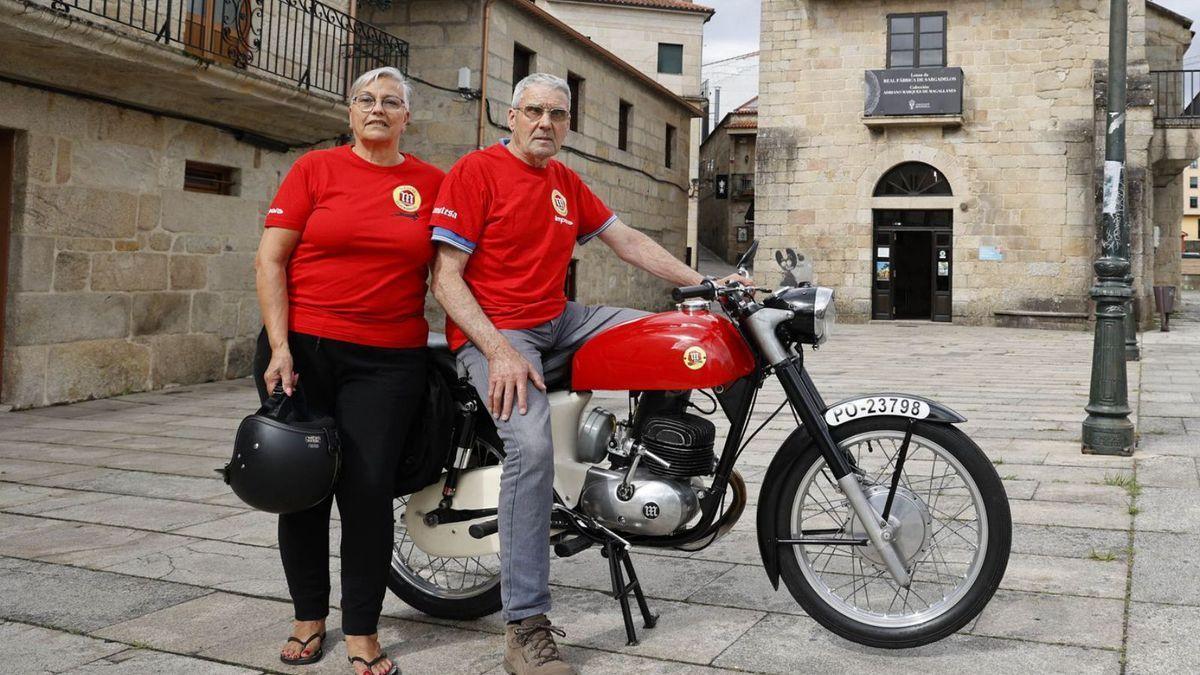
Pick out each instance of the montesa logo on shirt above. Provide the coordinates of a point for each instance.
(407, 198)
(275, 211)
(559, 202)
(443, 211)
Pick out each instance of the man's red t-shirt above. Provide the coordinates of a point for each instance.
(358, 273)
(520, 224)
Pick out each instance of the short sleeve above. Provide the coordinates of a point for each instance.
(461, 206)
(595, 216)
(294, 201)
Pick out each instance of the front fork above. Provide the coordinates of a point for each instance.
(810, 407)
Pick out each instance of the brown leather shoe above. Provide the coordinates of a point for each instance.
(530, 648)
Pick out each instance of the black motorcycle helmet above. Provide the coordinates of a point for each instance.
(284, 460)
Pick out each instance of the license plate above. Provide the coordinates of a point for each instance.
(870, 406)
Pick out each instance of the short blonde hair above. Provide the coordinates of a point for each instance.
(387, 72)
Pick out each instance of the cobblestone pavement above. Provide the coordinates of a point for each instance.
(123, 553)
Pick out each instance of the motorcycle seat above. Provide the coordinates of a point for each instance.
(557, 367)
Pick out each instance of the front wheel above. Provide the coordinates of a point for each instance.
(950, 520)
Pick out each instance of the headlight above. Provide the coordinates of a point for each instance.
(814, 313)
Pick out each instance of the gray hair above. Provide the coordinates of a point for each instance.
(540, 80)
(387, 72)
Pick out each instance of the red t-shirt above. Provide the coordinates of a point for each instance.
(520, 224)
(358, 272)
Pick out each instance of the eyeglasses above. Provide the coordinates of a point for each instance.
(534, 113)
(366, 103)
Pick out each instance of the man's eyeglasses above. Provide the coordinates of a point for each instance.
(534, 113)
(366, 103)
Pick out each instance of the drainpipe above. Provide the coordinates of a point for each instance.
(483, 74)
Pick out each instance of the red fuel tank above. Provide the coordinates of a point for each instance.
(671, 350)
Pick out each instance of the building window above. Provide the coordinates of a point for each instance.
(1194, 182)
(916, 40)
(523, 62)
(912, 179)
(210, 178)
(669, 151)
(670, 59)
(1192, 202)
(623, 118)
(575, 83)
(1194, 163)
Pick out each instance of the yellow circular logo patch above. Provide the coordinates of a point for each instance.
(695, 358)
(407, 198)
(559, 202)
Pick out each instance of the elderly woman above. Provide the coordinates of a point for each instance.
(341, 273)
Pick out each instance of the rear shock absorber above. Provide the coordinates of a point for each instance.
(464, 435)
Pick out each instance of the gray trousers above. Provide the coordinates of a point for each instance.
(527, 480)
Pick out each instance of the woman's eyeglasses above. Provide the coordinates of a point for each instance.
(366, 103)
(534, 113)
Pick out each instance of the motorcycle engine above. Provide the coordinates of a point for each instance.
(663, 498)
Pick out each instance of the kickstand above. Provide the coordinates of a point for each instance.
(618, 557)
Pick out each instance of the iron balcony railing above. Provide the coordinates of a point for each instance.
(742, 186)
(1176, 97)
(304, 42)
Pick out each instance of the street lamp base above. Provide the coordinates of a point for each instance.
(1108, 436)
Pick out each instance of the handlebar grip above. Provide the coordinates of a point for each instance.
(484, 529)
(706, 290)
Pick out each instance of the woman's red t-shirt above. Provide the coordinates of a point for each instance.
(358, 273)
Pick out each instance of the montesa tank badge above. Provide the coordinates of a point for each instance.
(695, 357)
(407, 198)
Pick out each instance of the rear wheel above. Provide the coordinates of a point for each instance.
(447, 588)
(950, 520)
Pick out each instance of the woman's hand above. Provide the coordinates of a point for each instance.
(279, 370)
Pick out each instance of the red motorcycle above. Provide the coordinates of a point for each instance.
(886, 522)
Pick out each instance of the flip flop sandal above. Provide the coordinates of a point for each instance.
(311, 658)
(395, 670)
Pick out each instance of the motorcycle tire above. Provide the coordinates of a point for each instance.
(934, 448)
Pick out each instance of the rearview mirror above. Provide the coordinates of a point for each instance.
(747, 258)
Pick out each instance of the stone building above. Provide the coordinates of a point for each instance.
(727, 162)
(139, 151)
(943, 160)
(662, 39)
(1189, 226)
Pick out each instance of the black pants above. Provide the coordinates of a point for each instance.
(373, 394)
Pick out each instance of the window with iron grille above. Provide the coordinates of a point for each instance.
(624, 115)
(1192, 202)
(916, 40)
(1194, 182)
(211, 178)
(575, 84)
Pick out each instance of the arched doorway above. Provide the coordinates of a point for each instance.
(913, 246)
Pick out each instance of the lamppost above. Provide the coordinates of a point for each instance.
(1107, 429)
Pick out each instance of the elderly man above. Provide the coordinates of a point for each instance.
(507, 220)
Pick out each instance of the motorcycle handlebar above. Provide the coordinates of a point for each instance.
(706, 290)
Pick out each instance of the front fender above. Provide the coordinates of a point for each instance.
(893, 404)
(768, 499)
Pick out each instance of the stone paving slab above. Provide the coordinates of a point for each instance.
(144, 662)
(1162, 639)
(80, 544)
(81, 600)
(1164, 565)
(793, 644)
(161, 515)
(138, 484)
(1054, 619)
(33, 649)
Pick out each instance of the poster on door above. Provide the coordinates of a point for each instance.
(883, 270)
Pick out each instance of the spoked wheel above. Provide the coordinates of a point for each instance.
(447, 588)
(951, 527)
